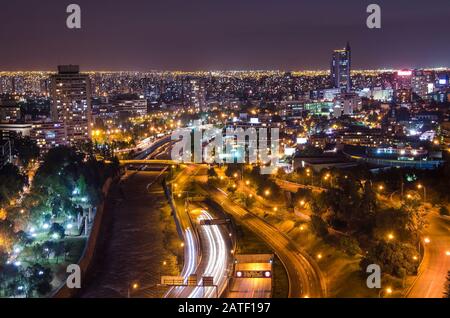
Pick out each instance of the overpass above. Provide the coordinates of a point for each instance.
(148, 162)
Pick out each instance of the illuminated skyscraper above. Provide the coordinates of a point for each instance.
(194, 94)
(340, 69)
(71, 102)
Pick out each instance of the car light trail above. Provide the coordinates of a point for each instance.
(217, 259)
(190, 252)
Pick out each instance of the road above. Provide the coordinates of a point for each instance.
(209, 252)
(436, 263)
(214, 261)
(251, 288)
(216, 257)
(305, 279)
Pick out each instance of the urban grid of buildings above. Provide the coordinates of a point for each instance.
(383, 117)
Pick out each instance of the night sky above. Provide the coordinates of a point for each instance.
(190, 35)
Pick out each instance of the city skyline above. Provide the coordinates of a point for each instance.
(221, 36)
(250, 151)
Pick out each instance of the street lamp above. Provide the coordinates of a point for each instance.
(387, 291)
(380, 187)
(420, 186)
(390, 236)
(426, 240)
(131, 288)
(267, 192)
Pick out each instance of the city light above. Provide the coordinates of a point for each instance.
(209, 183)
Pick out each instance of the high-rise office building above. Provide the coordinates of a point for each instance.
(341, 62)
(71, 102)
(194, 94)
(423, 82)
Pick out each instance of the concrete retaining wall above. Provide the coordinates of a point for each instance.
(89, 250)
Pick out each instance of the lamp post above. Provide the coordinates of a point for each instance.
(420, 186)
(388, 291)
(132, 287)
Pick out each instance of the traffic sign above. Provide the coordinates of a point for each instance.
(208, 281)
(172, 280)
(192, 280)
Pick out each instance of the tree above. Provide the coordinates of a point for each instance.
(444, 211)
(3, 259)
(24, 238)
(38, 279)
(59, 250)
(7, 235)
(319, 226)
(212, 172)
(10, 279)
(11, 183)
(26, 149)
(232, 169)
(394, 258)
(310, 151)
(58, 230)
(350, 245)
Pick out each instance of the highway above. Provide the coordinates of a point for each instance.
(305, 278)
(215, 259)
(251, 288)
(436, 260)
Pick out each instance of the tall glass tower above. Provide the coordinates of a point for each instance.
(341, 62)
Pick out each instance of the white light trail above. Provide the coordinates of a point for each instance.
(190, 252)
(217, 259)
